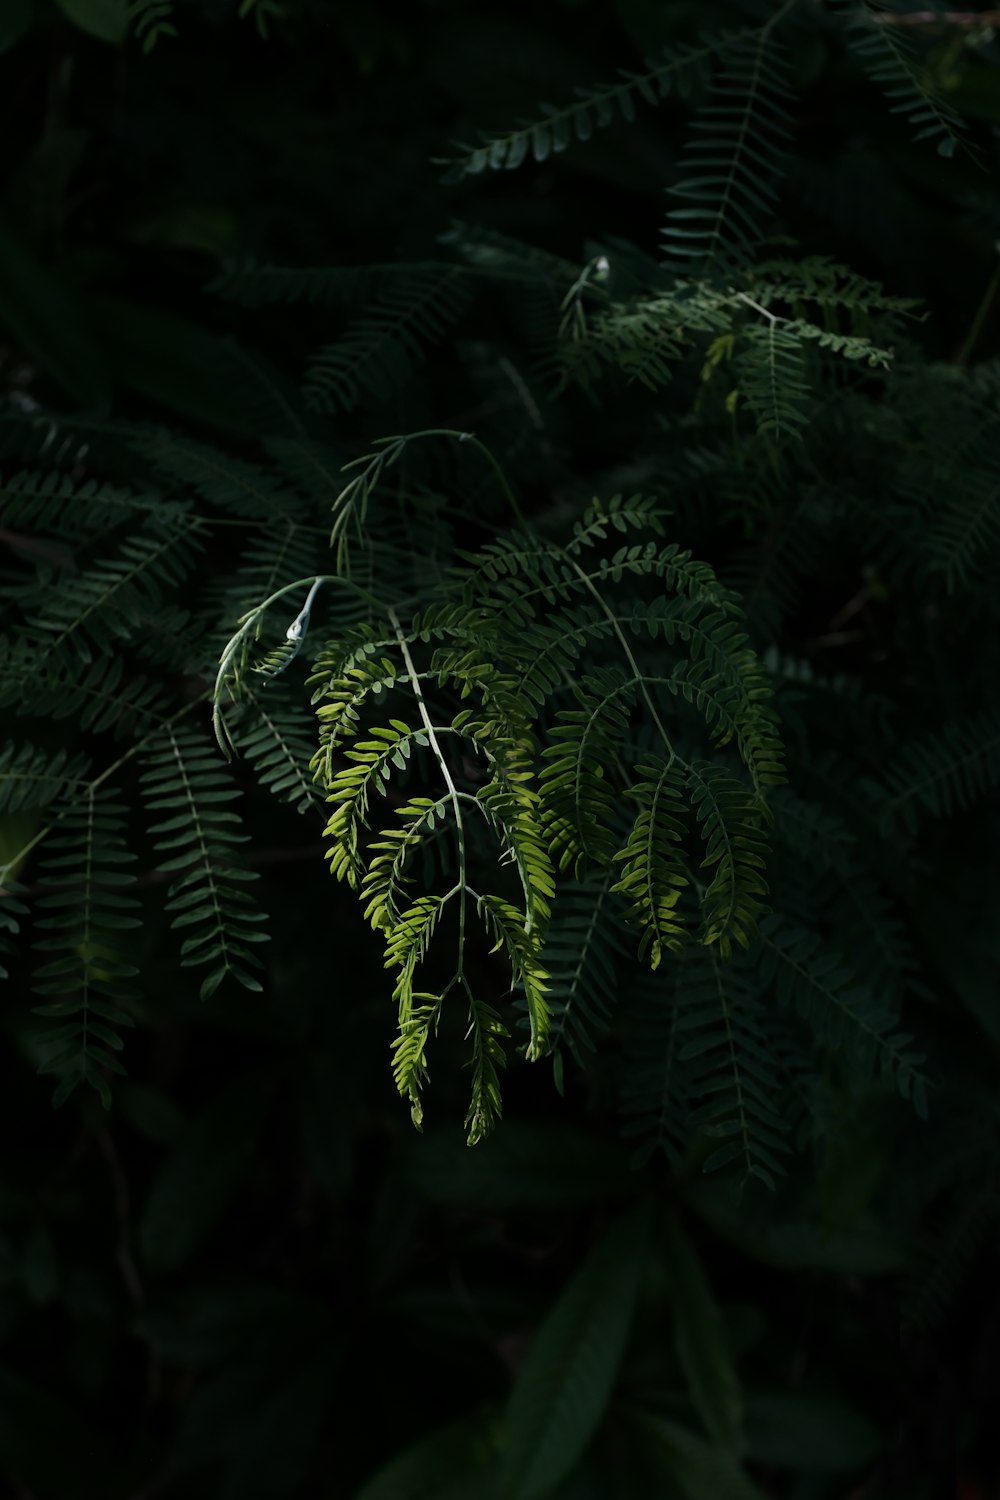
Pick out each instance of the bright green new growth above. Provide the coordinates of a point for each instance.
(485, 692)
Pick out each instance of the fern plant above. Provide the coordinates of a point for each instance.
(542, 762)
(686, 792)
(571, 722)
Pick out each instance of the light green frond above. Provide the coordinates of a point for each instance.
(486, 1032)
(507, 927)
(653, 869)
(579, 800)
(382, 886)
(351, 788)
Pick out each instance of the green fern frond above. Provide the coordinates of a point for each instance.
(507, 926)
(407, 943)
(727, 1047)
(771, 378)
(680, 72)
(622, 513)
(943, 772)
(644, 339)
(653, 869)
(840, 1010)
(582, 950)
(513, 807)
(722, 679)
(347, 673)
(655, 1097)
(151, 21)
(61, 505)
(33, 778)
(486, 1031)
(851, 346)
(817, 283)
(83, 907)
(383, 883)
(735, 849)
(504, 629)
(827, 857)
(351, 788)
(409, 1051)
(381, 348)
(237, 488)
(277, 739)
(287, 549)
(890, 56)
(106, 602)
(649, 337)
(579, 800)
(104, 695)
(728, 177)
(185, 780)
(350, 507)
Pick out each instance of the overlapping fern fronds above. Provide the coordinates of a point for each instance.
(559, 744)
(477, 695)
(382, 345)
(110, 620)
(711, 1070)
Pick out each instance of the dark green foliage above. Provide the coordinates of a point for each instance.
(554, 449)
(83, 906)
(565, 1384)
(184, 779)
(728, 177)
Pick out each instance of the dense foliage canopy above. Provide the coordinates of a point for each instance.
(541, 467)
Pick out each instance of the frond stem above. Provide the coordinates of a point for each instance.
(453, 792)
(626, 648)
